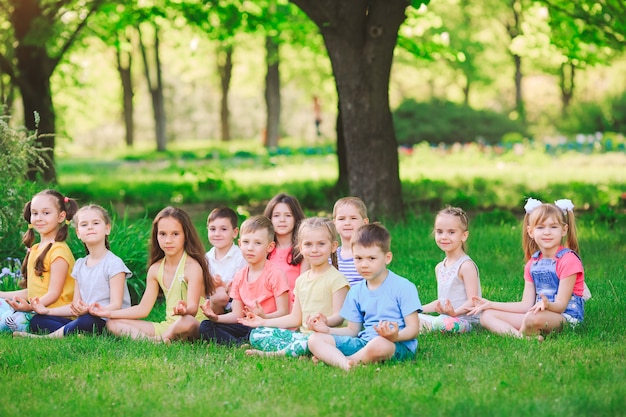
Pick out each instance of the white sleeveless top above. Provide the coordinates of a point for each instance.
(450, 286)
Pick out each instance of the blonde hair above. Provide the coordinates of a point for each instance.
(542, 213)
(355, 202)
(255, 223)
(320, 223)
(456, 212)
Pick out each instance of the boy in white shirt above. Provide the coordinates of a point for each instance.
(225, 258)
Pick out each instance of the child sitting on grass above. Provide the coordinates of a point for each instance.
(457, 277)
(260, 287)
(225, 258)
(319, 292)
(349, 213)
(382, 310)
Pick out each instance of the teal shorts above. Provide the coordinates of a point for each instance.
(349, 345)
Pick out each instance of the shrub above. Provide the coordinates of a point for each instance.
(18, 152)
(446, 122)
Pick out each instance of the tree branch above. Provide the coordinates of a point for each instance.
(70, 41)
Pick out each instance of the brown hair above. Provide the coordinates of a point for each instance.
(294, 257)
(373, 234)
(193, 245)
(223, 213)
(103, 213)
(540, 214)
(324, 224)
(63, 204)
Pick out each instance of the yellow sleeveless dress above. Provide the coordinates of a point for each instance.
(176, 292)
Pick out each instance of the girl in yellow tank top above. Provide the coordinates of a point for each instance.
(179, 268)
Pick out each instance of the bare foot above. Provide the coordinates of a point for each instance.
(315, 360)
(254, 352)
(24, 334)
(351, 364)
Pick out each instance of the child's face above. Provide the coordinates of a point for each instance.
(449, 233)
(221, 233)
(91, 227)
(282, 219)
(170, 236)
(316, 246)
(255, 246)
(371, 262)
(347, 220)
(548, 233)
(45, 215)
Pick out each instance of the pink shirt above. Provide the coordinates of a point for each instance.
(566, 265)
(265, 289)
(279, 258)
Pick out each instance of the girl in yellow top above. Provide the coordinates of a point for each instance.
(46, 267)
(179, 268)
(319, 295)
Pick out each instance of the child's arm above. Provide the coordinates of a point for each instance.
(339, 297)
(389, 330)
(117, 284)
(352, 329)
(58, 273)
(195, 288)
(230, 318)
(62, 311)
(138, 311)
(528, 300)
(293, 319)
(282, 306)
(563, 296)
(9, 295)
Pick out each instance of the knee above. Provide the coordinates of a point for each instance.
(380, 349)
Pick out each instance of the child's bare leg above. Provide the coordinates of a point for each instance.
(185, 328)
(256, 352)
(535, 324)
(502, 322)
(57, 334)
(376, 350)
(323, 347)
(136, 329)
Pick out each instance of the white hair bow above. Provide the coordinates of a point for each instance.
(565, 205)
(532, 204)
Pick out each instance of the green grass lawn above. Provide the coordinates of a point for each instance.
(579, 372)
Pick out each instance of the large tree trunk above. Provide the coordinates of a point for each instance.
(124, 68)
(360, 37)
(342, 186)
(156, 90)
(514, 29)
(35, 67)
(567, 76)
(225, 69)
(272, 93)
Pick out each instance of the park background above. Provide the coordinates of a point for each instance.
(469, 135)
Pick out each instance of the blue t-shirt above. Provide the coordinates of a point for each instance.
(395, 299)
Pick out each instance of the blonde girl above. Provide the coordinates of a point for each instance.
(46, 267)
(554, 278)
(319, 295)
(286, 214)
(179, 268)
(100, 277)
(457, 276)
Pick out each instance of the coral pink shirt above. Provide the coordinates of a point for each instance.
(279, 257)
(265, 289)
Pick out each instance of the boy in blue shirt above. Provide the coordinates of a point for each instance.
(382, 310)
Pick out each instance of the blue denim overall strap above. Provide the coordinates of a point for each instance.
(543, 273)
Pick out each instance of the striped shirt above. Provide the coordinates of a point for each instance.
(347, 268)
